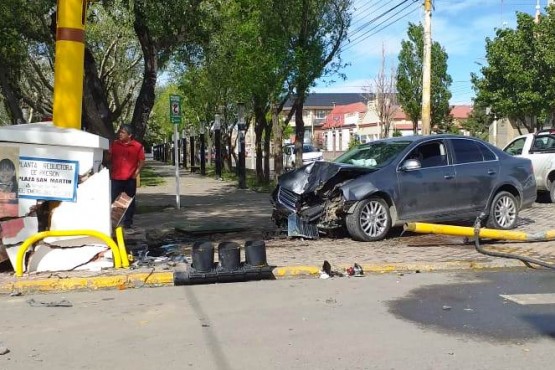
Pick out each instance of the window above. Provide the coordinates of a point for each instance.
(515, 148)
(466, 151)
(321, 114)
(486, 152)
(431, 154)
(544, 142)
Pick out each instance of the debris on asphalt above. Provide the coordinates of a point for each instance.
(15, 294)
(61, 303)
(447, 308)
(3, 349)
(358, 270)
(326, 272)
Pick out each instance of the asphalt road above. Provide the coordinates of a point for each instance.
(391, 321)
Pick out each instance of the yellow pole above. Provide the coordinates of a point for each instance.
(121, 246)
(69, 63)
(424, 228)
(44, 234)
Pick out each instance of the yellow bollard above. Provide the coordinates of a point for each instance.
(44, 234)
(426, 228)
(69, 63)
(121, 245)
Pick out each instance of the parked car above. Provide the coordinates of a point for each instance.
(540, 149)
(392, 181)
(310, 154)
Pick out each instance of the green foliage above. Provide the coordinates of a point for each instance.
(397, 133)
(355, 141)
(478, 122)
(409, 77)
(159, 126)
(518, 80)
(149, 177)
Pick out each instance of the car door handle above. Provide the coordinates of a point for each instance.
(449, 176)
(491, 172)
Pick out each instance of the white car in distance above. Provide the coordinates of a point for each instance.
(310, 154)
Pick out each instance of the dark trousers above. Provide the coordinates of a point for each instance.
(128, 187)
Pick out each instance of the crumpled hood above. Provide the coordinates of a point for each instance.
(310, 177)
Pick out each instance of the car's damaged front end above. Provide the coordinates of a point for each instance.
(314, 195)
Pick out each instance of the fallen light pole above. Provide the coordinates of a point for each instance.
(426, 228)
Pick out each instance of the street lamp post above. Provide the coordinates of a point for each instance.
(218, 145)
(184, 145)
(241, 126)
(192, 147)
(202, 150)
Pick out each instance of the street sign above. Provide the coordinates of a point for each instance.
(175, 109)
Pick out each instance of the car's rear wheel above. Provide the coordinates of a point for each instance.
(503, 212)
(370, 220)
(552, 191)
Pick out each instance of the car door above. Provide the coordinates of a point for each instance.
(425, 193)
(477, 171)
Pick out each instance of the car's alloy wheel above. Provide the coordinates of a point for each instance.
(503, 212)
(370, 220)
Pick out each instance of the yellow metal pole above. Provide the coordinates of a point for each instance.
(69, 63)
(121, 246)
(44, 234)
(425, 228)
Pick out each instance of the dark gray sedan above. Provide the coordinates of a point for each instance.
(392, 181)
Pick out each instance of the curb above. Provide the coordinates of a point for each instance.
(166, 278)
(121, 281)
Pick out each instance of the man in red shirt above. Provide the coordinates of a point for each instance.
(127, 158)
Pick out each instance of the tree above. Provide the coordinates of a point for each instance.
(409, 78)
(478, 122)
(517, 81)
(316, 31)
(384, 96)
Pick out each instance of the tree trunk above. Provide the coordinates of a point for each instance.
(97, 117)
(145, 100)
(278, 142)
(11, 98)
(267, 138)
(299, 130)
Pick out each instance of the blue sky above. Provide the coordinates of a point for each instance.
(460, 26)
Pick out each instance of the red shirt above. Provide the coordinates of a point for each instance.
(125, 159)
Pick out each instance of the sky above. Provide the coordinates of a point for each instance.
(460, 26)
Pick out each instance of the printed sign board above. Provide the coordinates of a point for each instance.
(175, 109)
(48, 179)
(9, 167)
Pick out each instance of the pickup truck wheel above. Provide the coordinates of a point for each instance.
(370, 220)
(503, 212)
(552, 191)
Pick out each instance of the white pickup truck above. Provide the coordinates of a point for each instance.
(540, 149)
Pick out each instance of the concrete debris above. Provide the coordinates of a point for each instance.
(3, 349)
(61, 303)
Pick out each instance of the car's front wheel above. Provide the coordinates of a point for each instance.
(370, 220)
(552, 191)
(503, 212)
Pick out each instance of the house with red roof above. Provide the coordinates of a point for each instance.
(340, 126)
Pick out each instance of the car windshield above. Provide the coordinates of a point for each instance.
(373, 155)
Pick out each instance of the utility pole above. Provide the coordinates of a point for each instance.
(426, 68)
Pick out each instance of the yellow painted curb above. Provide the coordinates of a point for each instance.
(297, 271)
(135, 280)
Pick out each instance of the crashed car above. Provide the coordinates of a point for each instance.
(389, 182)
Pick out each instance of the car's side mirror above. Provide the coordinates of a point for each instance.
(411, 165)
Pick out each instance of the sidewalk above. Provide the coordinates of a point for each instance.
(207, 203)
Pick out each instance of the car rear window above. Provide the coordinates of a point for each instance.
(469, 151)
